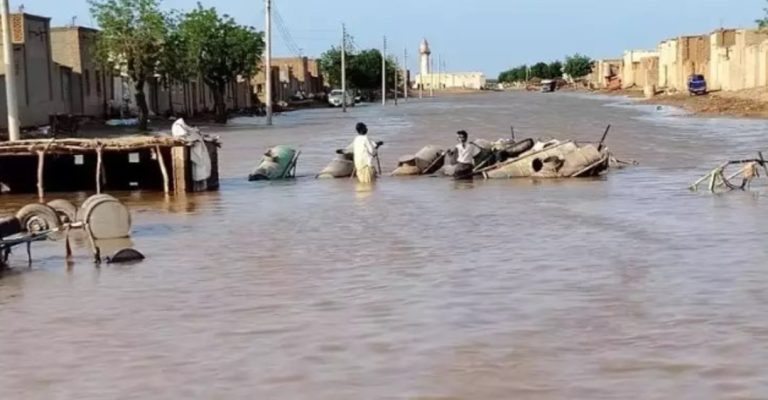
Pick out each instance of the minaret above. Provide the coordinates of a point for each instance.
(425, 53)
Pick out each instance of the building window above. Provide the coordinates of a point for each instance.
(98, 83)
(87, 82)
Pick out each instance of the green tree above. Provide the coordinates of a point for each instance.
(220, 50)
(131, 39)
(175, 65)
(762, 23)
(330, 64)
(517, 74)
(363, 69)
(540, 70)
(577, 66)
(555, 70)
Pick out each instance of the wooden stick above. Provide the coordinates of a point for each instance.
(602, 140)
(67, 245)
(441, 157)
(291, 167)
(40, 168)
(163, 170)
(98, 170)
(762, 162)
(29, 253)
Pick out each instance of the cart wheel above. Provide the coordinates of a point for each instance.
(37, 218)
(125, 256)
(66, 211)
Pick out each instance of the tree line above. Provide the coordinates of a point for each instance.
(363, 68)
(139, 39)
(576, 66)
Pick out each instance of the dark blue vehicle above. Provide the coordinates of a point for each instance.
(697, 85)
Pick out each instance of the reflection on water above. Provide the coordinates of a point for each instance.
(628, 286)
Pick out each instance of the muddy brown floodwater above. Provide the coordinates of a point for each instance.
(624, 287)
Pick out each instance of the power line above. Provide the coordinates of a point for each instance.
(285, 33)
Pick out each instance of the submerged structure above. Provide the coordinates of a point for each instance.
(159, 163)
(552, 159)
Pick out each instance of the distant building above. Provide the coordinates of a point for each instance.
(91, 86)
(290, 76)
(606, 74)
(43, 87)
(640, 68)
(427, 79)
(681, 57)
(738, 59)
(424, 54)
(57, 73)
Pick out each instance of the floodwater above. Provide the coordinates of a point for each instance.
(624, 287)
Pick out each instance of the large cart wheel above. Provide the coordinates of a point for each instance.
(65, 209)
(37, 218)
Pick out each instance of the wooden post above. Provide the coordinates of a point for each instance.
(94, 248)
(180, 172)
(164, 171)
(98, 169)
(40, 168)
(67, 245)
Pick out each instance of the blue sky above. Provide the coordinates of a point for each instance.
(479, 35)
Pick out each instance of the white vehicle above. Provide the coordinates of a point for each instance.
(336, 97)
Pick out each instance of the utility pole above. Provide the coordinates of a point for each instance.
(10, 76)
(268, 59)
(439, 72)
(405, 74)
(397, 72)
(343, 68)
(384, 73)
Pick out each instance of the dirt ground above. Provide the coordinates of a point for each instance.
(751, 103)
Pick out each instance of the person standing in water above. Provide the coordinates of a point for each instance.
(465, 156)
(365, 151)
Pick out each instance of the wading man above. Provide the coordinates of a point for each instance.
(365, 151)
(465, 156)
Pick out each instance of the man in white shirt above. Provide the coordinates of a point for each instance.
(465, 156)
(365, 151)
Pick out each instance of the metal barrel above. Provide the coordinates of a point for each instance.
(106, 217)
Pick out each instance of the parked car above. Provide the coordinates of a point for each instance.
(336, 97)
(697, 85)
